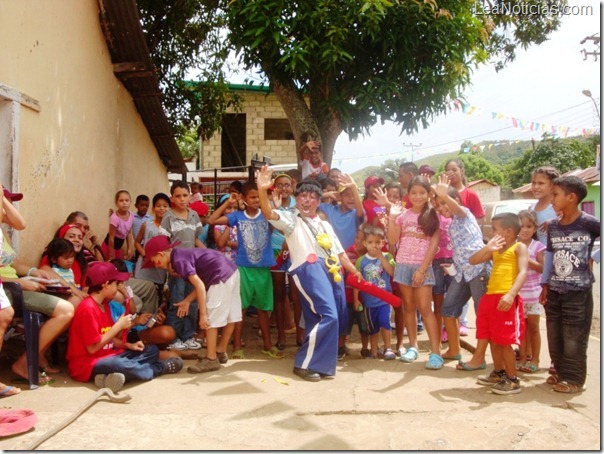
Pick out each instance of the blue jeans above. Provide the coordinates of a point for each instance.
(185, 327)
(458, 294)
(568, 321)
(143, 365)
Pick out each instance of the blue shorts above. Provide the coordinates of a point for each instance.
(378, 318)
(403, 274)
(441, 280)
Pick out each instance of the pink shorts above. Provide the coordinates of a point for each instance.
(500, 327)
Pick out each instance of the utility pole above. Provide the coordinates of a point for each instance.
(595, 53)
(412, 146)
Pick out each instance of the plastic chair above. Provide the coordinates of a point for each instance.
(32, 321)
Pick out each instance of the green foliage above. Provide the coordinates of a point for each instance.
(188, 141)
(563, 154)
(357, 61)
(477, 168)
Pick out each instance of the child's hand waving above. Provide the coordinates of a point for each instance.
(264, 178)
(441, 188)
(496, 243)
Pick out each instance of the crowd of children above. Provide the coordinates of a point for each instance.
(406, 255)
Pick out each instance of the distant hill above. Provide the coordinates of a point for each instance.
(496, 152)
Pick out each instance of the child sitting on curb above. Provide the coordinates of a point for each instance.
(216, 288)
(97, 347)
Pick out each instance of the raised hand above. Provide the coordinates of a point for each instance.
(496, 243)
(264, 178)
(396, 209)
(441, 188)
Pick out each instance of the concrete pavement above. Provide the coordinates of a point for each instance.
(258, 404)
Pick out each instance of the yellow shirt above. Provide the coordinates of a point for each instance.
(505, 270)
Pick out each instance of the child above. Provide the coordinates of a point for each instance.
(567, 284)
(316, 254)
(120, 229)
(150, 229)
(393, 193)
(61, 255)
(225, 237)
(500, 318)
(373, 209)
(202, 209)
(467, 280)
(542, 187)
(216, 283)
(330, 191)
(311, 158)
(182, 225)
(254, 259)
(140, 217)
(417, 233)
(196, 195)
(97, 349)
(530, 291)
(376, 267)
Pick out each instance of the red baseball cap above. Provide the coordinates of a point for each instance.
(101, 272)
(201, 208)
(373, 180)
(12, 196)
(154, 246)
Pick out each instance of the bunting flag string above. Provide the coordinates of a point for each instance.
(525, 125)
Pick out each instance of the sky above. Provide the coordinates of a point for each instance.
(543, 85)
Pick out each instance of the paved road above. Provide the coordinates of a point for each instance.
(258, 404)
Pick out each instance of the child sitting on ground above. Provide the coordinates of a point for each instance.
(97, 348)
(500, 318)
(376, 267)
(216, 283)
(567, 285)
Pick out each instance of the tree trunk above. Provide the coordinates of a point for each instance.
(302, 119)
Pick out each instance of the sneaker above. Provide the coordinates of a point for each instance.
(341, 353)
(192, 344)
(172, 365)
(204, 365)
(463, 331)
(380, 353)
(177, 345)
(492, 379)
(506, 386)
(389, 354)
(114, 381)
(223, 358)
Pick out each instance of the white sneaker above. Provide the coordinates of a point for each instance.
(192, 344)
(177, 345)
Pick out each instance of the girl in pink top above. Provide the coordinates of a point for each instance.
(120, 229)
(530, 292)
(417, 232)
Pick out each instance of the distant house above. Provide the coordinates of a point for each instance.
(80, 113)
(486, 190)
(591, 203)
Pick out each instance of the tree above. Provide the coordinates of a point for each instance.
(563, 154)
(355, 61)
(478, 168)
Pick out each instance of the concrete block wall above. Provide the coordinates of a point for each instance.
(257, 107)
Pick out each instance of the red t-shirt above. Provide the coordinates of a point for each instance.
(87, 328)
(472, 202)
(372, 208)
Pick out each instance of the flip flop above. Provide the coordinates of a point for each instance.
(529, 368)
(48, 369)
(6, 392)
(464, 366)
(238, 354)
(274, 353)
(43, 379)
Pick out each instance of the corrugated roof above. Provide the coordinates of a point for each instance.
(132, 65)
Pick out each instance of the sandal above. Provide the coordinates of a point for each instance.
(434, 362)
(529, 368)
(238, 354)
(274, 353)
(410, 355)
(553, 379)
(9, 391)
(43, 379)
(48, 369)
(465, 366)
(568, 388)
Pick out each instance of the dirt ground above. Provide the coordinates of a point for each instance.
(258, 404)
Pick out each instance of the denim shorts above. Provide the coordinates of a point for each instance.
(458, 294)
(441, 280)
(403, 274)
